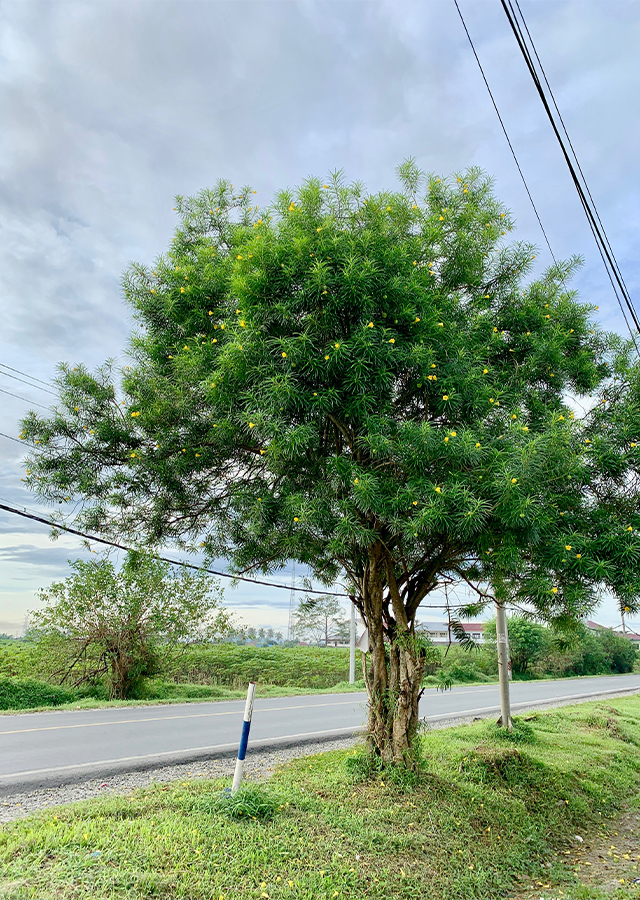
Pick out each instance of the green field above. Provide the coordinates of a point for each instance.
(487, 817)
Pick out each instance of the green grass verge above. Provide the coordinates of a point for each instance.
(483, 815)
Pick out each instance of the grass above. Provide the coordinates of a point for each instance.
(484, 817)
(168, 693)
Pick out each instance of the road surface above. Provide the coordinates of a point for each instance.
(41, 749)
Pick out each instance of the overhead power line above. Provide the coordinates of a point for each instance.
(26, 374)
(24, 399)
(527, 47)
(10, 438)
(186, 565)
(173, 562)
(513, 152)
(30, 384)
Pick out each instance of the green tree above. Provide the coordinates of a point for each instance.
(368, 385)
(316, 618)
(619, 651)
(121, 623)
(528, 641)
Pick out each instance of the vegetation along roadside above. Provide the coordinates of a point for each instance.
(485, 815)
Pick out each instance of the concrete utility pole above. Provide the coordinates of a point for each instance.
(504, 666)
(352, 645)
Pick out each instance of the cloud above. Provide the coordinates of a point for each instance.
(109, 110)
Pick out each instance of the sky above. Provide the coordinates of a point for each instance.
(110, 109)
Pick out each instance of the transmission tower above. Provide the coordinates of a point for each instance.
(292, 604)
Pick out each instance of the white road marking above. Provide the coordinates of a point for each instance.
(232, 712)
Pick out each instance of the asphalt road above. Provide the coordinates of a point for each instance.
(40, 749)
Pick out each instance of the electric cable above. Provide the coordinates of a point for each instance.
(26, 374)
(30, 384)
(595, 223)
(9, 438)
(513, 152)
(24, 399)
(178, 562)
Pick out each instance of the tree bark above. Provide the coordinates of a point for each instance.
(395, 672)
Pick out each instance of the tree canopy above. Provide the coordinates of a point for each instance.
(368, 384)
(119, 623)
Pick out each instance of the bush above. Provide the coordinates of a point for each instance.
(27, 693)
(619, 652)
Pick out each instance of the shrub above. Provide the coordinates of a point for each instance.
(28, 693)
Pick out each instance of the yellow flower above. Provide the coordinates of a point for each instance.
(262, 453)
(210, 312)
(514, 481)
(337, 346)
(560, 418)
(495, 330)
(415, 205)
(242, 323)
(578, 555)
(370, 325)
(283, 354)
(440, 324)
(417, 318)
(446, 439)
(554, 590)
(485, 371)
(528, 333)
(415, 502)
(445, 396)
(315, 393)
(477, 445)
(392, 341)
(197, 454)
(182, 290)
(491, 400)
(214, 341)
(629, 528)
(291, 205)
(356, 481)
(438, 490)
(388, 208)
(433, 365)
(587, 441)
(441, 218)
(632, 444)
(325, 185)
(290, 883)
(296, 519)
(319, 229)
(133, 454)
(415, 263)
(525, 428)
(326, 357)
(454, 433)
(252, 424)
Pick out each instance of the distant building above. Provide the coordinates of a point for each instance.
(630, 634)
(440, 633)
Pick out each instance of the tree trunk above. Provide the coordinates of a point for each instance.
(394, 676)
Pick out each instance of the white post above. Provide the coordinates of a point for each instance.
(503, 666)
(244, 739)
(352, 646)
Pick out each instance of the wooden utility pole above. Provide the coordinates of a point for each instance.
(504, 666)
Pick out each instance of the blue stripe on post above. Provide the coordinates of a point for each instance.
(244, 740)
